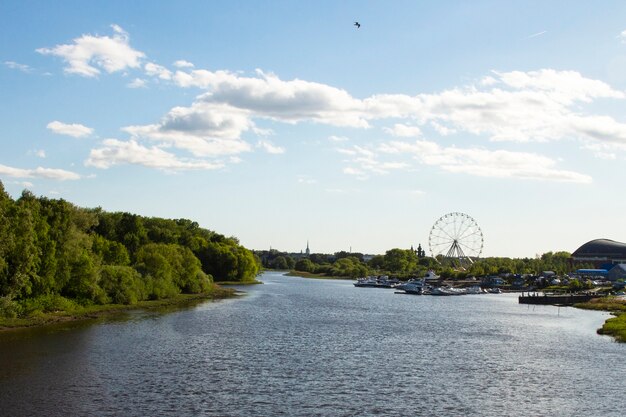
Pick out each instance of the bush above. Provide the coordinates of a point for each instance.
(160, 288)
(46, 304)
(9, 308)
(305, 265)
(122, 284)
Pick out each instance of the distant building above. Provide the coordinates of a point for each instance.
(492, 281)
(308, 251)
(419, 251)
(600, 253)
(617, 272)
(592, 273)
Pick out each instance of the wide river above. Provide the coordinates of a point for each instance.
(302, 347)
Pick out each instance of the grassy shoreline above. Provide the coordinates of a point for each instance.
(302, 274)
(39, 319)
(228, 283)
(614, 326)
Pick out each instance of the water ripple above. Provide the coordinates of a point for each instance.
(297, 347)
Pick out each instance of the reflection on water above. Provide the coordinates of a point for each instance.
(301, 347)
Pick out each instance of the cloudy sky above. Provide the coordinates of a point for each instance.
(280, 122)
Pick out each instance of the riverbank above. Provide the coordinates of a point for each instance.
(77, 312)
(302, 274)
(615, 326)
(238, 283)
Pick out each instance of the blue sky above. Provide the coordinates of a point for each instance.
(278, 122)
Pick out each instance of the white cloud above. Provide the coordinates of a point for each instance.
(70, 129)
(116, 152)
(270, 97)
(563, 86)
(262, 132)
(364, 162)
(402, 130)
(441, 129)
(537, 106)
(359, 174)
(89, 54)
(39, 172)
(38, 152)
(181, 63)
(17, 66)
(334, 138)
(485, 163)
(269, 147)
(155, 70)
(601, 150)
(534, 35)
(515, 106)
(137, 83)
(305, 179)
(74, 129)
(604, 129)
(622, 36)
(204, 129)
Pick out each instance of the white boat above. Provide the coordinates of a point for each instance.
(430, 275)
(366, 282)
(447, 291)
(440, 291)
(376, 282)
(413, 286)
(474, 289)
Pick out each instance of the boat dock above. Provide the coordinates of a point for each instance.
(556, 299)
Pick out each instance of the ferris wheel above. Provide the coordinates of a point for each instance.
(456, 235)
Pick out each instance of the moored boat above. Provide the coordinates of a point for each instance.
(376, 282)
(413, 286)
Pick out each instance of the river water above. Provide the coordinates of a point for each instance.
(302, 347)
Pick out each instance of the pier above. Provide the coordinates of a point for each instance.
(556, 299)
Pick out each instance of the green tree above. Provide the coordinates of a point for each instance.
(171, 269)
(112, 253)
(349, 267)
(377, 262)
(132, 232)
(6, 238)
(305, 265)
(400, 261)
(24, 255)
(226, 260)
(122, 284)
(280, 262)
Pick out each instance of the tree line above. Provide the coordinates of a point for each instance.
(52, 248)
(406, 263)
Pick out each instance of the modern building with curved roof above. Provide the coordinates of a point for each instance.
(601, 252)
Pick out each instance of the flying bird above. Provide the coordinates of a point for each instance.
(357, 24)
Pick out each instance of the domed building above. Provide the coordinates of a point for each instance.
(600, 253)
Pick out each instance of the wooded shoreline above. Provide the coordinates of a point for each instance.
(98, 311)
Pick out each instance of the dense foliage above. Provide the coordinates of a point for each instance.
(406, 263)
(51, 251)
